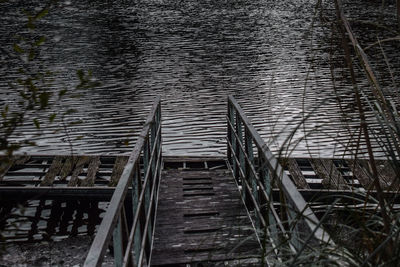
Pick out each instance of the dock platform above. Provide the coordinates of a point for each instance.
(146, 209)
(201, 218)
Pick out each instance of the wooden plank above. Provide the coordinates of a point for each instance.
(82, 161)
(7, 163)
(330, 175)
(199, 228)
(192, 159)
(68, 167)
(360, 171)
(295, 172)
(118, 168)
(93, 167)
(53, 171)
(387, 175)
(21, 159)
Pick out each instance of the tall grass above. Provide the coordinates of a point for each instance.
(365, 226)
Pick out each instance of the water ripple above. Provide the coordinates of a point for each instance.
(194, 54)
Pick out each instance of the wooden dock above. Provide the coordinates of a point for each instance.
(201, 218)
(62, 170)
(172, 211)
(194, 192)
(62, 195)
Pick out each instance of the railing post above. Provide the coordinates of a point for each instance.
(251, 178)
(294, 223)
(239, 152)
(156, 175)
(120, 238)
(117, 243)
(149, 144)
(264, 172)
(229, 132)
(265, 178)
(233, 141)
(136, 189)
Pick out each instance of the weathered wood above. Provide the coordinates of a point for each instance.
(295, 171)
(53, 171)
(181, 159)
(82, 161)
(200, 222)
(21, 159)
(68, 167)
(8, 162)
(25, 170)
(93, 167)
(360, 172)
(327, 171)
(118, 168)
(387, 175)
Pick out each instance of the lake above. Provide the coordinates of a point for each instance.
(272, 56)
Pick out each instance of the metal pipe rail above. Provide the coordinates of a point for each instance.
(256, 173)
(133, 228)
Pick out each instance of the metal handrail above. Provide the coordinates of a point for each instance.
(132, 238)
(256, 174)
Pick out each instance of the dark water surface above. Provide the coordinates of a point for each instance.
(266, 53)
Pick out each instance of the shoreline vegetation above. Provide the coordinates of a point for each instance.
(366, 230)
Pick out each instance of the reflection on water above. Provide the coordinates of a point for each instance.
(193, 54)
(39, 220)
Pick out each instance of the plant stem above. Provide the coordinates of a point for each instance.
(364, 127)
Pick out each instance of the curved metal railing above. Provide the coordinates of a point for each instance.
(132, 225)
